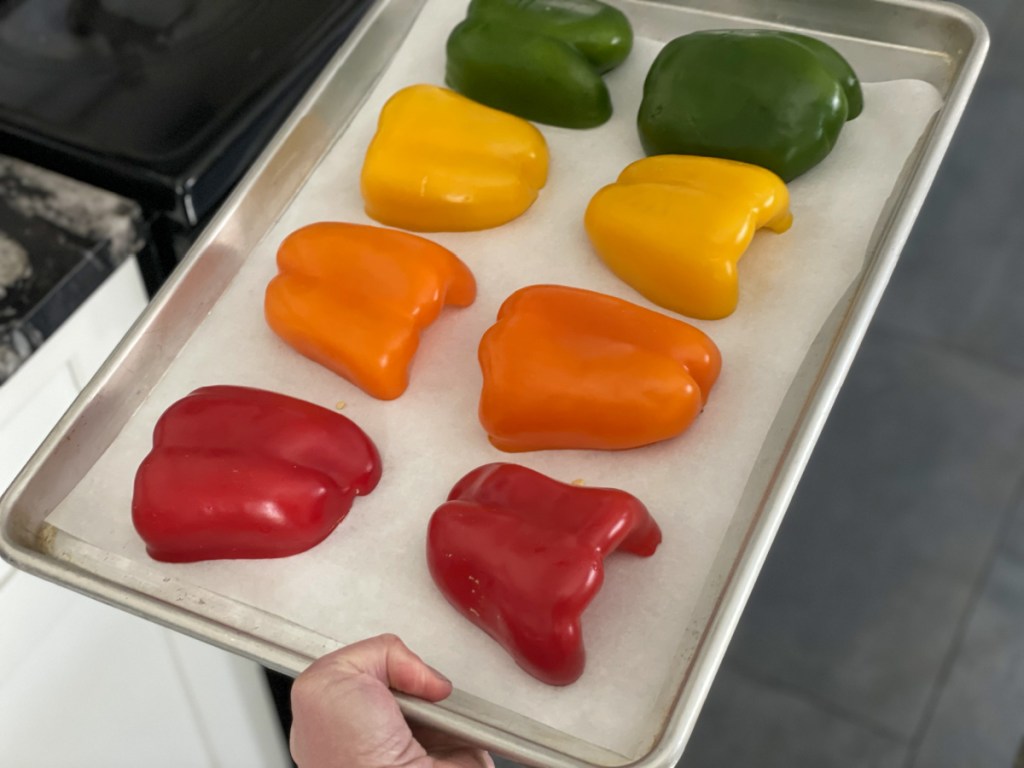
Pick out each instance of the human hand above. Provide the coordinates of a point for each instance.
(345, 716)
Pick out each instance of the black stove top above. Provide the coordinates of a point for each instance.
(164, 101)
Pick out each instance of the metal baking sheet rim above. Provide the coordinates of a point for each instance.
(110, 398)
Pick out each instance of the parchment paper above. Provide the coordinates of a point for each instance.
(370, 576)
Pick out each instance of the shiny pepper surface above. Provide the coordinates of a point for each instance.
(675, 227)
(521, 556)
(440, 162)
(774, 99)
(355, 299)
(540, 59)
(245, 473)
(569, 368)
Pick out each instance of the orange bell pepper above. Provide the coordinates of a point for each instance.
(569, 368)
(442, 163)
(355, 298)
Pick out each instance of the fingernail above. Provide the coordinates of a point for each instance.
(443, 677)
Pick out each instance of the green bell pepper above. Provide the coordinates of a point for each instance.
(774, 99)
(539, 59)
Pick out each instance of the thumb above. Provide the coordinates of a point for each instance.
(390, 661)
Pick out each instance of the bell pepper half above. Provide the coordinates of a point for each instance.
(540, 59)
(569, 368)
(774, 99)
(441, 162)
(522, 555)
(244, 473)
(355, 299)
(675, 227)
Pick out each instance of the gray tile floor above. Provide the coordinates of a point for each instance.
(887, 627)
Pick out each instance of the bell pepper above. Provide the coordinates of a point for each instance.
(540, 59)
(244, 473)
(355, 299)
(441, 162)
(522, 555)
(675, 226)
(774, 99)
(569, 368)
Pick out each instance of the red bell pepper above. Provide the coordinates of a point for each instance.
(522, 555)
(244, 473)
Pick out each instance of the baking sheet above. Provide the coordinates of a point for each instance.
(370, 576)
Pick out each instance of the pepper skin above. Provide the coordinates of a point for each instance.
(569, 368)
(540, 59)
(597, 30)
(774, 99)
(521, 556)
(355, 299)
(440, 162)
(675, 226)
(244, 473)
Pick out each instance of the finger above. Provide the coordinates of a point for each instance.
(390, 661)
(463, 758)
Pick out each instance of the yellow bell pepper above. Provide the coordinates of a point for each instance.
(441, 162)
(675, 226)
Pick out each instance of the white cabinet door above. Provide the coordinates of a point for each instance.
(96, 687)
(83, 685)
